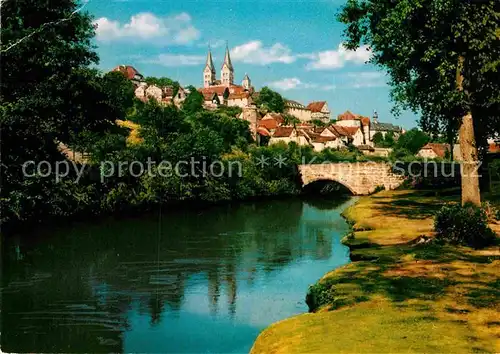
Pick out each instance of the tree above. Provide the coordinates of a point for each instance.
(120, 93)
(378, 139)
(319, 123)
(47, 95)
(271, 99)
(193, 102)
(289, 119)
(443, 58)
(413, 140)
(389, 140)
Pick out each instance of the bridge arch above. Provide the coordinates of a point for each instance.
(327, 179)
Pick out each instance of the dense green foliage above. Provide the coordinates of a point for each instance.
(413, 140)
(378, 139)
(194, 101)
(47, 95)
(420, 44)
(384, 141)
(466, 225)
(270, 100)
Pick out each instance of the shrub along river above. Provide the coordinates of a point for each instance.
(188, 281)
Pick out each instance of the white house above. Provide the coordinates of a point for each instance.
(288, 135)
(154, 92)
(319, 110)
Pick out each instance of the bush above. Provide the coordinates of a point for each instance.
(467, 225)
(319, 294)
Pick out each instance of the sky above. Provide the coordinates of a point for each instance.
(292, 46)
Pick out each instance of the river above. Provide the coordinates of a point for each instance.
(205, 281)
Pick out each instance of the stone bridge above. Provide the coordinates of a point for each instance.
(361, 178)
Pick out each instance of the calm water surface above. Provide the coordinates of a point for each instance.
(188, 282)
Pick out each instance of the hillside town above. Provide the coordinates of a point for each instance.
(312, 124)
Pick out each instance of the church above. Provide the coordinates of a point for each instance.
(224, 91)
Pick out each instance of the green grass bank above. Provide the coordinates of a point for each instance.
(399, 294)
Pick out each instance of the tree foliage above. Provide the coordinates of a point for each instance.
(413, 140)
(378, 139)
(47, 94)
(420, 43)
(194, 101)
(271, 100)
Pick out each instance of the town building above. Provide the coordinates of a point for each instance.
(130, 73)
(384, 128)
(163, 95)
(288, 135)
(349, 119)
(298, 110)
(319, 110)
(440, 151)
(224, 91)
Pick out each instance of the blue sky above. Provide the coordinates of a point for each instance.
(292, 46)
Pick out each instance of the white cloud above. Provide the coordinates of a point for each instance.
(176, 60)
(364, 79)
(254, 52)
(144, 26)
(334, 59)
(286, 84)
(293, 83)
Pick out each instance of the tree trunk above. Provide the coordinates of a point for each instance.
(467, 140)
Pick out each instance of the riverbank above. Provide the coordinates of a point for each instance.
(398, 295)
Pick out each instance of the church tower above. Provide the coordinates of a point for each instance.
(227, 72)
(209, 71)
(246, 83)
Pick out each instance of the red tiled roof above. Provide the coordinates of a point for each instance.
(208, 96)
(339, 130)
(283, 132)
(233, 96)
(365, 121)
(268, 123)
(494, 148)
(316, 106)
(439, 149)
(347, 115)
(129, 71)
(276, 116)
(263, 131)
(237, 89)
(219, 90)
(351, 130)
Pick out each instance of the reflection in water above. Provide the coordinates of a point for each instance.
(209, 281)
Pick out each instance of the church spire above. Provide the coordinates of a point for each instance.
(227, 72)
(209, 71)
(210, 62)
(227, 59)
